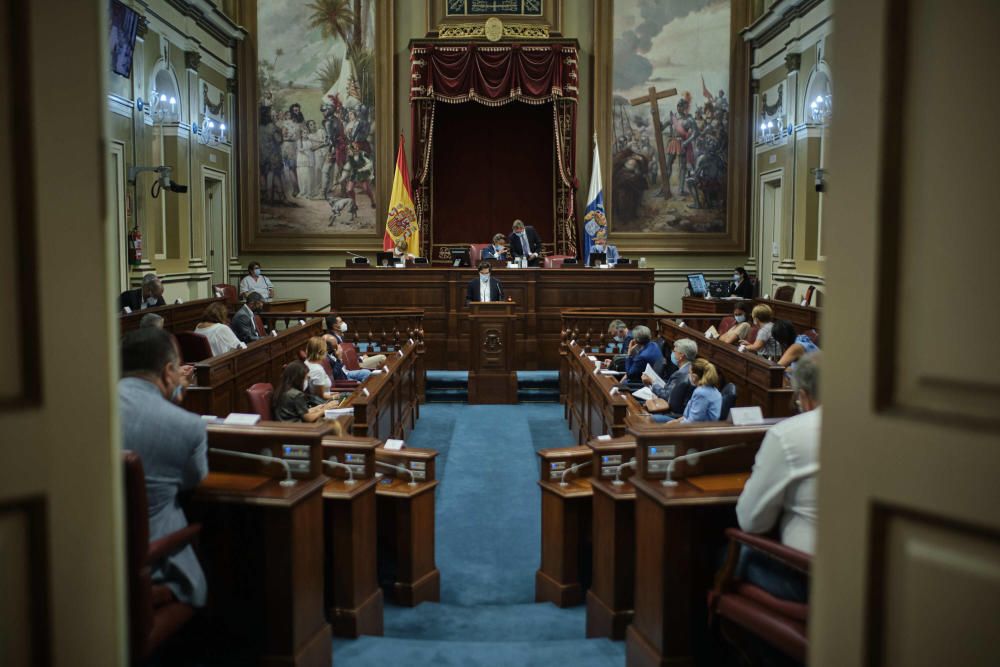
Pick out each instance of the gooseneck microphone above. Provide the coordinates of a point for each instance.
(573, 469)
(692, 455)
(412, 482)
(618, 481)
(288, 481)
(336, 464)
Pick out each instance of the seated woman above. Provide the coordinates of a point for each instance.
(401, 250)
(214, 326)
(290, 401)
(738, 321)
(800, 347)
(706, 401)
(741, 286)
(761, 317)
(319, 381)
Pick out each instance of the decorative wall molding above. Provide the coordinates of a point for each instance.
(778, 18)
(799, 278)
(211, 19)
(769, 55)
(224, 65)
(120, 106)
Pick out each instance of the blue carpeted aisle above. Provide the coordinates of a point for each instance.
(488, 540)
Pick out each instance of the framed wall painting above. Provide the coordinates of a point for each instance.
(316, 125)
(520, 19)
(671, 110)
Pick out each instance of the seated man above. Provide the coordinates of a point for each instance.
(151, 320)
(335, 355)
(244, 323)
(641, 351)
(497, 250)
(525, 242)
(485, 287)
(336, 328)
(678, 388)
(781, 491)
(600, 245)
(172, 444)
(149, 295)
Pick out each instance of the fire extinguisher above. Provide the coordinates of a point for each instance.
(135, 247)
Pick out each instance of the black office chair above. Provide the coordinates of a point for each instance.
(728, 401)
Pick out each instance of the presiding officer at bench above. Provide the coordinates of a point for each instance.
(485, 287)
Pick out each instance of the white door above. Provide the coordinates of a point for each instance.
(908, 563)
(215, 228)
(770, 230)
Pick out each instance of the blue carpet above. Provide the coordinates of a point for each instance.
(488, 539)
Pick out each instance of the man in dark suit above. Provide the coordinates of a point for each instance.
(149, 295)
(244, 323)
(485, 287)
(525, 242)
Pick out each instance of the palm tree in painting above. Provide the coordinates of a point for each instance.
(333, 18)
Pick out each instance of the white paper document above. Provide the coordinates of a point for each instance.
(392, 443)
(643, 394)
(746, 416)
(657, 380)
(604, 437)
(712, 333)
(608, 371)
(242, 419)
(333, 413)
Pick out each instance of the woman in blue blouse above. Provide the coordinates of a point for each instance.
(801, 346)
(706, 401)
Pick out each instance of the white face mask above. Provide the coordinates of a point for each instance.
(151, 301)
(484, 278)
(736, 277)
(343, 327)
(741, 318)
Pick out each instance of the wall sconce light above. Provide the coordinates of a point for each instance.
(772, 129)
(821, 108)
(163, 108)
(209, 132)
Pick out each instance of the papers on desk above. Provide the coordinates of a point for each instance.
(604, 437)
(643, 394)
(746, 416)
(376, 371)
(394, 444)
(592, 357)
(712, 333)
(657, 380)
(241, 419)
(608, 371)
(333, 413)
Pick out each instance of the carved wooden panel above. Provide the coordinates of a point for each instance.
(938, 226)
(492, 348)
(23, 605)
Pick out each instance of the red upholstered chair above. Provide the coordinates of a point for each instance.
(738, 608)
(337, 384)
(228, 292)
(784, 293)
(726, 324)
(194, 346)
(554, 261)
(351, 361)
(476, 252)
(259, 396)
(155, 615)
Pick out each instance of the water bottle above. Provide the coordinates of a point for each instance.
(642, 262)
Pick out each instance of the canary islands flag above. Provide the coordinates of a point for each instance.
(401, 223)
(595, 225)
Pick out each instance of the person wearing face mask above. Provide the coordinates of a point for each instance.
(706, 400)
(172, 443)
(498, 249)
(246, 322)
(678, 388)
(781, 491)
(736, 327)
(255, 281)
(741, 287)
(214, 326)
(601, 245)
(525, 242)
(485, 287)
(149, 295)
(335, 355)
(291, 401)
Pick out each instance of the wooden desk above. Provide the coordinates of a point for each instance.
(386, 405)
(758, 381)
(803, 318)
(594, 406)
(564, 571)
(176, 317)
(610, 600)
(540, 295)
(286, 305)
(352, 596)
(262, 544)
(221, 382)
(406, 523)
(680, 528)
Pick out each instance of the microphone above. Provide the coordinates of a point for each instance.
(692, 455)
(573, 468)
(336, 464)
(288, 481)
(412, 482)
(618, 481)
(354, 254)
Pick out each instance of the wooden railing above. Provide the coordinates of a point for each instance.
(176, 317)
(386, 404)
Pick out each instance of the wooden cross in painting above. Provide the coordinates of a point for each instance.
(654, 109)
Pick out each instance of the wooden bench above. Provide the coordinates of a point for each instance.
(176, 317)
(385, 405)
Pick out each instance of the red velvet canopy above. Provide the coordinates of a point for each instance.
(495, 75)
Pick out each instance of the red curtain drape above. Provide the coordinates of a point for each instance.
(496, 75)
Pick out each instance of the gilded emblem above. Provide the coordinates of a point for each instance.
(494, 29)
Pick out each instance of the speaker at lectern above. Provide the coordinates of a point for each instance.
(492, 374)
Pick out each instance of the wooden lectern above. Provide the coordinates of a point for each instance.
(492, 378)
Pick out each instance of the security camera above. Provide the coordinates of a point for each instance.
(820, 183)
(163, 180)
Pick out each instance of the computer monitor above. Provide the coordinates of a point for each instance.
(696, 281)
(460, 256)
(598, 258)
(420, 260)
(719, 288)
(384, 259)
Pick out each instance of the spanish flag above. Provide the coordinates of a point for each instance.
(402, 219)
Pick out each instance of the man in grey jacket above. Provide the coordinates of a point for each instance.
(172, 443)
(244, 323)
